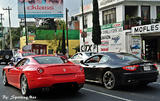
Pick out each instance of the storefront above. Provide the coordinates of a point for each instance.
(150, 41)
(113, 39)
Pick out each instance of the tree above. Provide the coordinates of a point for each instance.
(63, 43)
(49, 23)
(96, 33)
(16, 33)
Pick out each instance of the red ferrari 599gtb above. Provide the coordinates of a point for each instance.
(38, 71)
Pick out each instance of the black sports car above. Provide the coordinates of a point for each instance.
(115, 69)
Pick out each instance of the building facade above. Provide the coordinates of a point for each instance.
(130, 26)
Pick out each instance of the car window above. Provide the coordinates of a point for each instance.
(26, 62)
(48, 60)
(75, 56)
(27, 54)
(127, 57)
(79, 56)
(93, 59)
(104, 59)
(21, 62)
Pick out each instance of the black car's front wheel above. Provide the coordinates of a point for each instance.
(24, 86)
(5, 82)
(109, 80)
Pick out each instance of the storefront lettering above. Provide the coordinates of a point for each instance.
(146, 29)
(113, 30)
(88, 48)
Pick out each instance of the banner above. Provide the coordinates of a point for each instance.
(41, 8)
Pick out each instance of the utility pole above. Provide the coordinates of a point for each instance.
(10, 34)
(25, 22)
(67, 31)
(83, 21)
(1, 15)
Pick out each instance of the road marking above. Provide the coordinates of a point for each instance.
(113, 96)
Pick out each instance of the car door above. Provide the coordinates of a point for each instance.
(95, 66)
(91, 67)
(15, 72)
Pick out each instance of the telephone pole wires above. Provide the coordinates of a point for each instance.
(10, 34)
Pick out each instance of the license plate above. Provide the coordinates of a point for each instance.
(146, 68)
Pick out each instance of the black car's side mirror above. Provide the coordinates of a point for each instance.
(82, 62)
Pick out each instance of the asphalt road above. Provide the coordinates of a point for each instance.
(90, 92)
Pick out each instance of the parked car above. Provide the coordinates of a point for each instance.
(80, 56)
(40, 71)
(20, 54)
(5, 56)
(115, 69)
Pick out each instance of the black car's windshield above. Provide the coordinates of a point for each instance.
(27, 54)
(48, 60)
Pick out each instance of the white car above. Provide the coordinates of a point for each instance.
(81, 56)
(20, 55)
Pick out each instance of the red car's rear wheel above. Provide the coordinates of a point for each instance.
(24, 86)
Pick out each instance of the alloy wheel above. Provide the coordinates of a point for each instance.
(24, 85)
(109, 80)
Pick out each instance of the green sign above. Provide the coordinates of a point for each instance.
(108, 26)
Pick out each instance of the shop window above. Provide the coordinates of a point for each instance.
(158, 12)
(109, 16)
(145, 14)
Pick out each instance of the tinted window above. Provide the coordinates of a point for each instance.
(94, 59)
(48, 60)
(104, 59)
(75, 56)
(125, 57)
(22, 62)
(27, 54)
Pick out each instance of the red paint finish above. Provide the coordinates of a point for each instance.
(44, 75)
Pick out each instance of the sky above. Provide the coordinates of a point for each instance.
(72, 5)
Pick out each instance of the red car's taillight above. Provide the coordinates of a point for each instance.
(130, 68)
(156, 66)
(40, 70)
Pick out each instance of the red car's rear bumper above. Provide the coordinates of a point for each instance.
(49, 80)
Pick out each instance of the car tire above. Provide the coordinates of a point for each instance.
(5, 82)
(24, 86)
(7, 57)
(109, 80)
